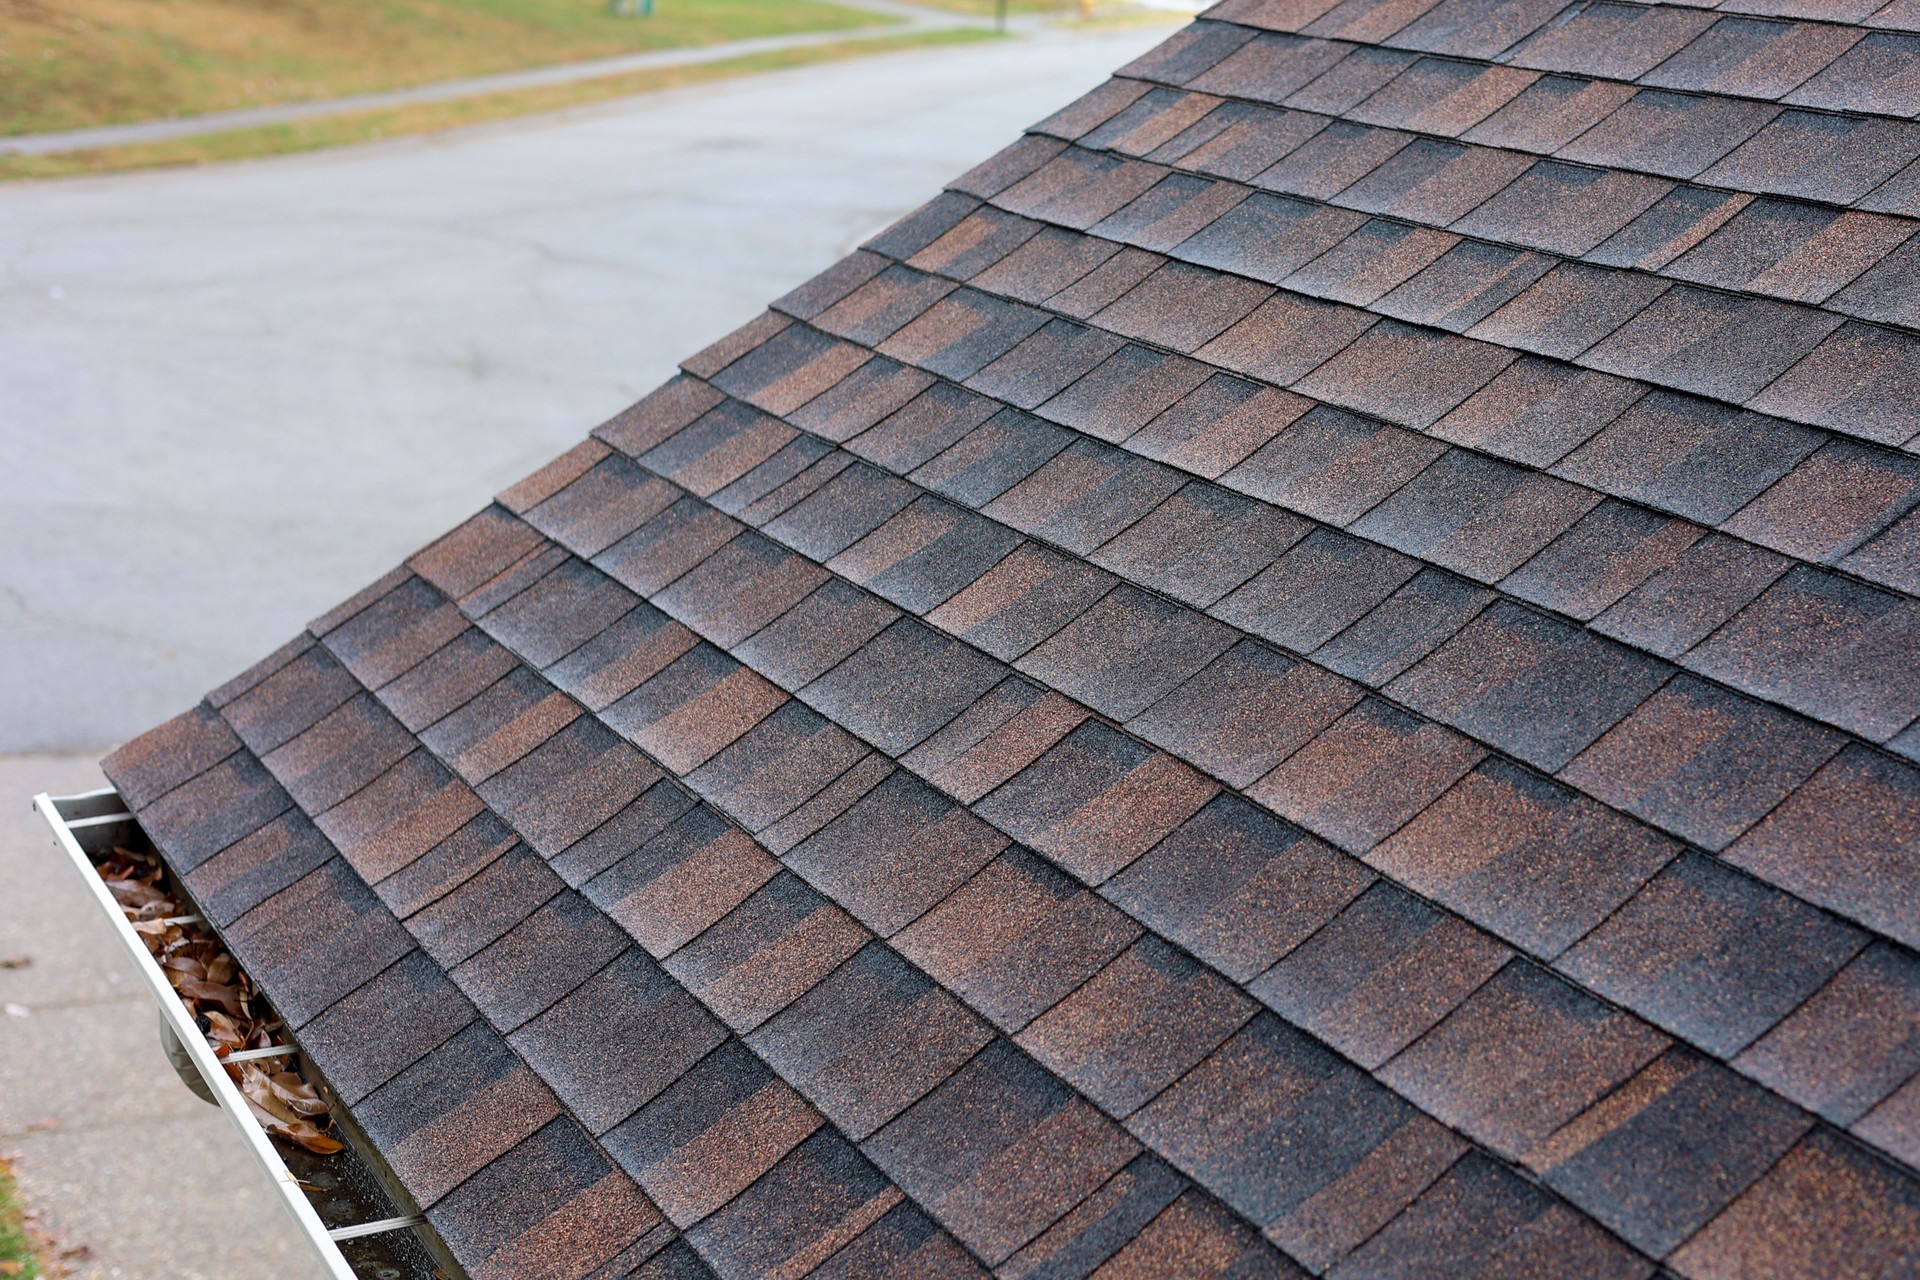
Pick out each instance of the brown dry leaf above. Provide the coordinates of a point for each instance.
(212, 993)
(253, 1084)
(223, 1032)
(16, 962)
(221, 968)
(297, 1093)
(297, 1131)
(134, 894)
(12, 1267)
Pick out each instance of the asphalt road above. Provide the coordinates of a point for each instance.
(232, 396)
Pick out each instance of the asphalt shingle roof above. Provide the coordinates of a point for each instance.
(1314, 670)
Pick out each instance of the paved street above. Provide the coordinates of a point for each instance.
(232, 396)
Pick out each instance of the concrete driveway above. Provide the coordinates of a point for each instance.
(232, 396)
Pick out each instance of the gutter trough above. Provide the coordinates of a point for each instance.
(345, 1210)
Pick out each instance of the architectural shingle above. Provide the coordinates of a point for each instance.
(1314, 670)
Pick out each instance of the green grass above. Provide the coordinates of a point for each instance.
(18, 1257)
(68, 64)
(366, 126)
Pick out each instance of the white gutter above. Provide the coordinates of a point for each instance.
(89, 820)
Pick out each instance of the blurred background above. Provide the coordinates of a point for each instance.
(291, 286)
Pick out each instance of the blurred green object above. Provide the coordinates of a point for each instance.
(631, 8)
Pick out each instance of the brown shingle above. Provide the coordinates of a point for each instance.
(1536, 410)
(1670, 134)
(661, 1032)
(1819, 156)
(711, 1133)
(1245, 712)
(897, 851)
(1378, 257)
(1408, 625)
(1216, 425)
(454, 1112)
(1862, 380)
(1711, 955)
(1509, 678)
(1366, 775)
(1269, 67)
(1084, 495)
(1791, 250)
(1464, 285)
(1481, 1216)
(1439, 96)
(1324, 584)
(766, 952)
(1618, 41)
(801, 1211)
(1716, 1134)
(1000, 1151)
(553, 1205)
(162, 758)
(1861, 813)
(1316, 1190)
(1680, 606)
(1526, 1053)
(1475, 515)
(399, 816)
(1096, 801)
(1432, 181)
(1182, 306)
(925, 554)
(1136, 1026)
(1126, 651)
(1268, 237)
(1535, 863)
(1827, 1208)
(1237, 888)
(1405, 375)
(282, 706)
(257, 867)
(1851, 1044)
(1173, 209)
(1611, 550)
(902, 685)
(998, 736)
(1102, 1224)
(391, 635)
(1552, 112)
(1021, 601)
(864, 397)
(1287, 337)
(871, 1039)
(1250, 140)
(1332, 465)
(1015, 939)
(1380, 974)
(1702, 762)
(694, 707)
(680, 882)
(1693, 457)
(1838, 650)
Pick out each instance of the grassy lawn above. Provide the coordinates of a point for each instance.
(67, 64)
(367, 126)
(17, 1255)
